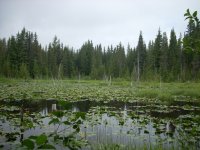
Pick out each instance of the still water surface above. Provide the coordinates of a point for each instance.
(135, 124)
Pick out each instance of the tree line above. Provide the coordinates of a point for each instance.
(166, 59)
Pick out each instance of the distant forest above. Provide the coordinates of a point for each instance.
(22, 56)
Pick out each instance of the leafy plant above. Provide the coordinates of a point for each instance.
(37, 142)
(191, 41)
(67, 119)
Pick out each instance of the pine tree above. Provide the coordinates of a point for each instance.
(164, 57)
(141, 56)
(157, 53)
(22, 53)
(180, 58)
(150, 65)
(97, 65)
(13, 56)
(85, 56)
(68, 62)
(173, 55)
(54, 58)
(3, 51)
(130, 60)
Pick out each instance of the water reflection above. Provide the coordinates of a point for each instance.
(133, 124)
(53, 106)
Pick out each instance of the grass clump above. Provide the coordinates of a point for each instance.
(147, 93)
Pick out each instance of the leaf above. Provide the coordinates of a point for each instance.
(197, 20)
(188, 18)
(194, 14)
(186, 14)
(47, 146)
(28, 143)
(121, 123)
(67, 122)
(33, 137)
(42, 139)
(57, 137)
(191, 20)
(65, 104)
(79, 121)
(58, 113)
(188, 11)
(146, 132)
(80, 114)
(67, 140)
(54, 121)
(75, 126)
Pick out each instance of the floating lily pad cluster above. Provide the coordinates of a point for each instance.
(75, 91)
(58, 115)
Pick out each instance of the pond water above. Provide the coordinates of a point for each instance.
(129, 125)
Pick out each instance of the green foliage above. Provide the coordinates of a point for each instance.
(58, 114)
(85, 58)
(67, 119)
(141, 56)
(80, 115)
(28, 143)
(22, 56)
(37, 142)
(97, 70)
(157, 52)
(65, 104)
(164, 64)
(71, 90)
(41, 140)
(54, 121)
(46, 146)
(23, 71)
(191, 40)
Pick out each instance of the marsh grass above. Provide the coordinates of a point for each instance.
(168, 91)
(146, 93)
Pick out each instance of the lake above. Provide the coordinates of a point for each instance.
(123, 125)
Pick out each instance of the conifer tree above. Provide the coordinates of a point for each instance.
(141, 56)
(157, 53)
(173, 55)
(164, 57)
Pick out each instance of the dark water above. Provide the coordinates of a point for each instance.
(134, 125)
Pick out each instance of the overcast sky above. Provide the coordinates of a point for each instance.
(102, 21)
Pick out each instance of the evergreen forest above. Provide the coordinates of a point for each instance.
(173, 58)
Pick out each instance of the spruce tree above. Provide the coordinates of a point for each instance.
(141, 56)
(173, 55)
(164, 57)
(157, 53)
(85, 58)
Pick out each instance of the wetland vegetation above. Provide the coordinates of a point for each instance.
(59, 114)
